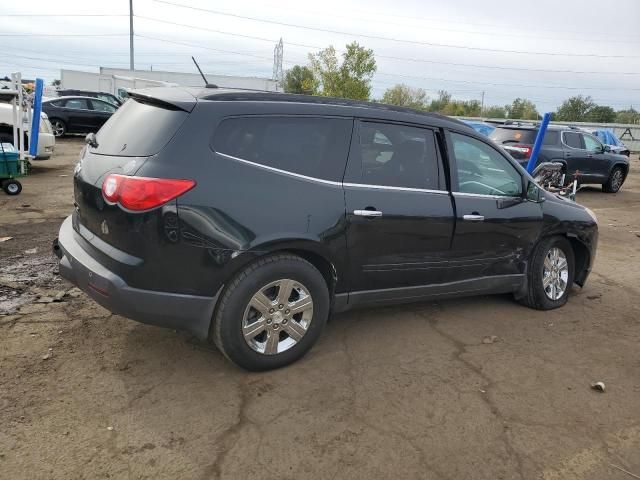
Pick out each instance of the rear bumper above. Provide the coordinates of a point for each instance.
(172, 310)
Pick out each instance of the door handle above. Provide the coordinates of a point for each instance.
(473, 218)
(368, 213)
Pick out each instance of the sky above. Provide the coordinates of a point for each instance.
(543, 50)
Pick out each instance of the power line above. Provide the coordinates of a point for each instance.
(392, 39)
(64, 34)
(61, 15)
(390, 57)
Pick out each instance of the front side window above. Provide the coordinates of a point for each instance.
(77, 104)
(397, 156)
(572, 139)
(483, 170)
(314, 147)
(592, 144)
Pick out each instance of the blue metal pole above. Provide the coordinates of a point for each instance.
(538, 143)
(35, 121)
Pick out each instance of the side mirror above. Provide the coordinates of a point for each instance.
(607, 148)
(534, 193)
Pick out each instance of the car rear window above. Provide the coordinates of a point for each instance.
(505, 136)
(138, 130)
(311, 146)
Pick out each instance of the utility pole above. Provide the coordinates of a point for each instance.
(482, 106)
(131, 65)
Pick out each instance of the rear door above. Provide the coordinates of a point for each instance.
(399, 215)
(495, 227)
(575, 155)
(79, 114)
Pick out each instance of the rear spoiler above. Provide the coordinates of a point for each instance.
(171, 98)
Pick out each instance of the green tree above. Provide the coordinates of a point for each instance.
(628, 116)
(523, 109)
(439, 104)
(575, 109)
(300, 80)
(462, 108)
(405, 96)
(601, 114)
(349, 79)
(495, 111)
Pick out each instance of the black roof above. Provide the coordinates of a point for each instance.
(185, 98)
(533, 126)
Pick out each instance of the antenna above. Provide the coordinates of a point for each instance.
(206, 83)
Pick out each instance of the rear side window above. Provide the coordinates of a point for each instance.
(397, 156)
(77, 103)
(314, 147)
(572, 139)
(138, 130)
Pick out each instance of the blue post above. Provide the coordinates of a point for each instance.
(538, 143)
(35, 121)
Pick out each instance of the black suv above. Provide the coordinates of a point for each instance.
(247, 217)
(585, 158)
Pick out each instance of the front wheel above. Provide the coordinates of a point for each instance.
(615, 181)
(550, 274)
(58, 127)
(271, 313)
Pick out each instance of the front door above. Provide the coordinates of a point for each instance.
(496, 227)
(597, 164)
(399, 214)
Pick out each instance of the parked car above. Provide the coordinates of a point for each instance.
(104, 96)
(247, 217)
(481, 127)
(609, 139)
(585, 157)
(77, 114)
(46, 139)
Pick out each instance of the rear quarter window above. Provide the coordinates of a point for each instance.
(311, 146)
(138, 130)
(505, 136)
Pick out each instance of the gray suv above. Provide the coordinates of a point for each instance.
(585, 158)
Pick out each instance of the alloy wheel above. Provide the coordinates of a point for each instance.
(555, 274)
(58, 128)
(277, 317)
(616, 180)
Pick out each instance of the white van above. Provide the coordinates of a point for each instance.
(46, 139)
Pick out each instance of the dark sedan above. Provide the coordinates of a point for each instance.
(77, 114)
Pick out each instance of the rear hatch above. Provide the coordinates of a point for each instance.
(136, 133)
(518, 141)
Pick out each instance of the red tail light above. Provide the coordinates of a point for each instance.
(142, 193)
(525, 150)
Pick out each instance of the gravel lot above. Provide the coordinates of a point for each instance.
(420, 391)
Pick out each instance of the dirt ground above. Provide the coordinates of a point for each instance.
(420, 391)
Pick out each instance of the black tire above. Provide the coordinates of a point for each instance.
(615, 181)
(226, 331)
(58, 126)
(12, 187)
(535, 296)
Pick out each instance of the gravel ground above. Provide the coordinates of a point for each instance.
(477, 388)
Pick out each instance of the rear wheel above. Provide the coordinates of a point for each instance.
(58, 127)
(615, 181)
(551, 272)
(271, 313)
(12, 187)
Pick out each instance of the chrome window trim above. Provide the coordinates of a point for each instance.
(482, 195)
(278, 170)
(569, 146)
(389, 187)
(329, 182)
